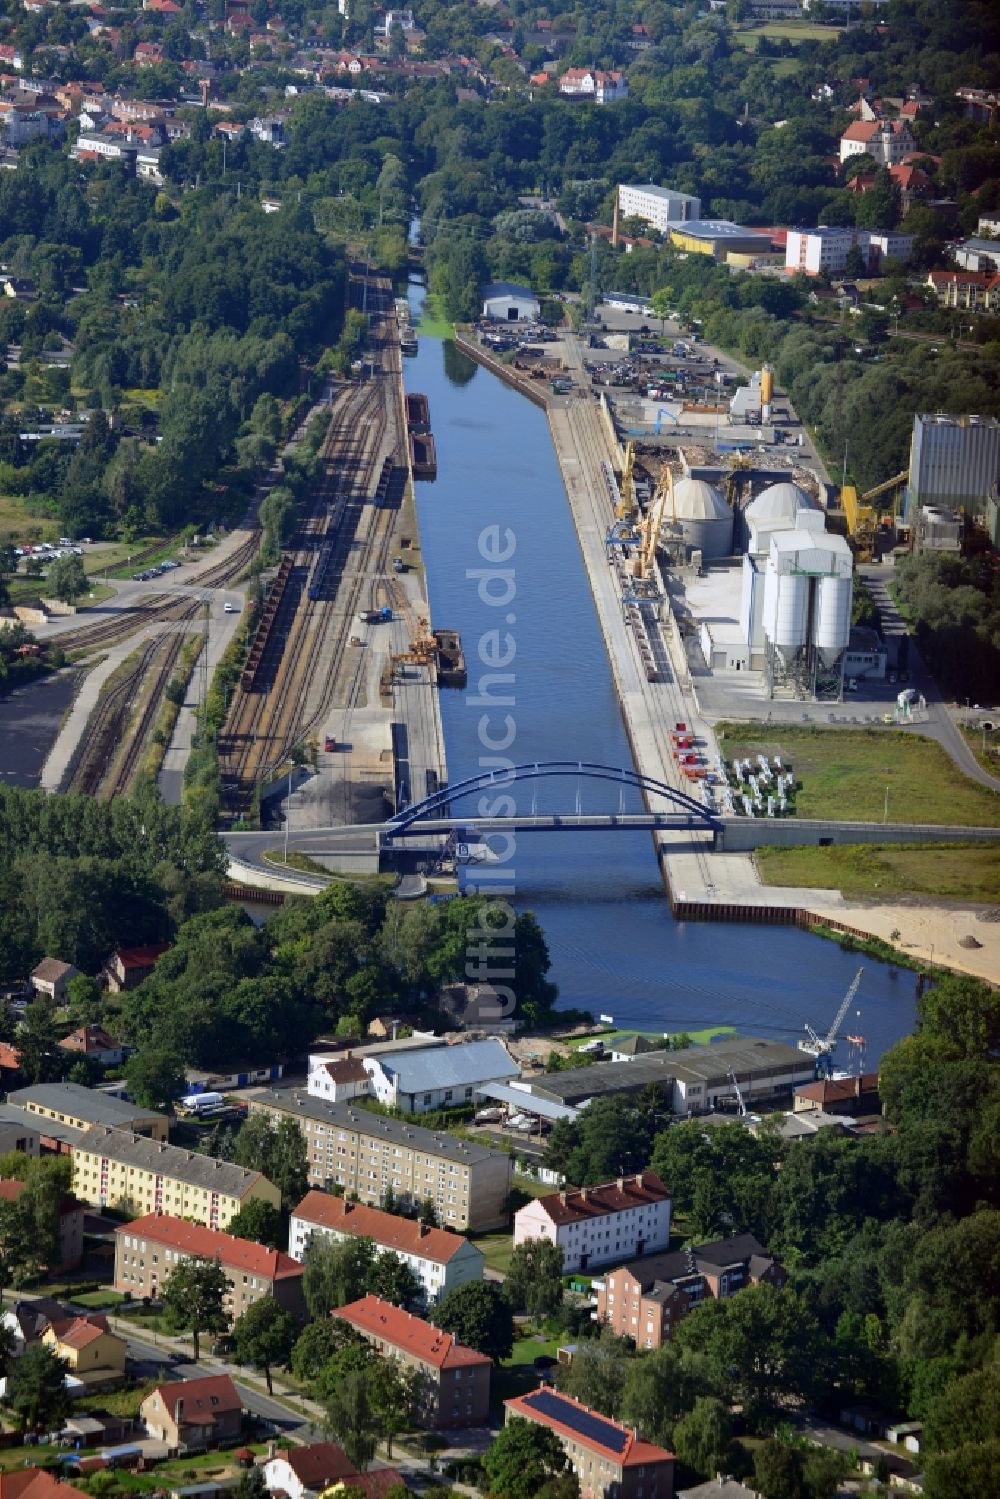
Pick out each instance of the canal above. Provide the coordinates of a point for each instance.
(614, 944)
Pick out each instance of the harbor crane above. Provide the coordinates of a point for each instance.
(628, 505)
(820, 1048)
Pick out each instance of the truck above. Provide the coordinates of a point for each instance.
(376, 616)
(202, 1103)
(398, 565)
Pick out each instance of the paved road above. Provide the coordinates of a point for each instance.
(941, 725)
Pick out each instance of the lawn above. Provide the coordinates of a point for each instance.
(496, 1249)
(698, 1038)
(951, 871)
(789, 31)
(516, 1376)
(18, 521)
(100, 1301)
(844, 774)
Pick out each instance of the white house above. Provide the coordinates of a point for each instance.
(303, 1472)
(593, 83)
(440, 1260)
(888, 141)
(338, 1077)
(439, 1077)
(506, 303)
(611, 1223)
(824, 251)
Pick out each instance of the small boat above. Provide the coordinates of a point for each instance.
(451, 668)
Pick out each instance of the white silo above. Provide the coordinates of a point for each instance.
(833, 614)
(703, 519)
(791, 621)
(780, 507)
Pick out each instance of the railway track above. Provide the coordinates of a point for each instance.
(106, 727)
(139, 730)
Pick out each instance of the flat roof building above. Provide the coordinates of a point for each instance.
(78, 1108)
(719, 237)
(954, 461)
(367, 1153)
(659, 206)
(112, 1168)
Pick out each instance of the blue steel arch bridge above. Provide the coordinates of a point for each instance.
(667, 807)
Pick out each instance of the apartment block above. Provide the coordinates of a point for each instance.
(439, 1259)
(645, 1299)
(112, 1168)
(454, 1380)
(610, 1461)
(600, 1225)
(148, 1249)
(372, 1155)
(75, 1107)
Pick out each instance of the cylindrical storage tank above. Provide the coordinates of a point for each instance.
(833, 614)
(766, 385)
(704, 518)
(770, 609)
(792, 612)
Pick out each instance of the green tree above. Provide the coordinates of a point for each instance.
(599, 1371)
(258, 1221)
(534, 1277)
(704, 1437)
(393, 1280)
(41, 1058)
(522, 1460)
(316, 1345)
(278, 1152)
(478, 1315)
(660, 1388)
(352, 1417)
(967, 1472)
(763, 1346)
(395, 1393)
(84, 1000)
(778, 1469)
(67, 579)
(337, 1272)
(155, 1078)
(264, 1336)
(194, 1299)
(36, 1390)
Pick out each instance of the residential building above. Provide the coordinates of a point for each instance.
(443, 1077)
(128, 966)
(721, 1487)
(989, 225)
(305, 1472)
(913, 183)
(93, 1041)
(824, 251)
(148, 1249)
(439, 1259)
(112, 1168)
(194, 1412)
(646, 1298)
(50, 1134)
(504, 302)
(36, 1483)
(91, 1352)
(338, 1078)
(600, 1225)
(886, 141)
(369, 1154)
(856, 1095)
(982, 105)
(659, 206)
(454, 1388)
(611, 1461)
(979, 255)
(52, 975)
(26, 1321)
(17, 1136)
(594, 83)
(71, 1217)
(79, 1108)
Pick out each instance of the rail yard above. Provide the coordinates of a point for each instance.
(340, 667)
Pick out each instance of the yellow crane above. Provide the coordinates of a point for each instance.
(734, 483)
(628, 506)
(862, 517)
(651, 523)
